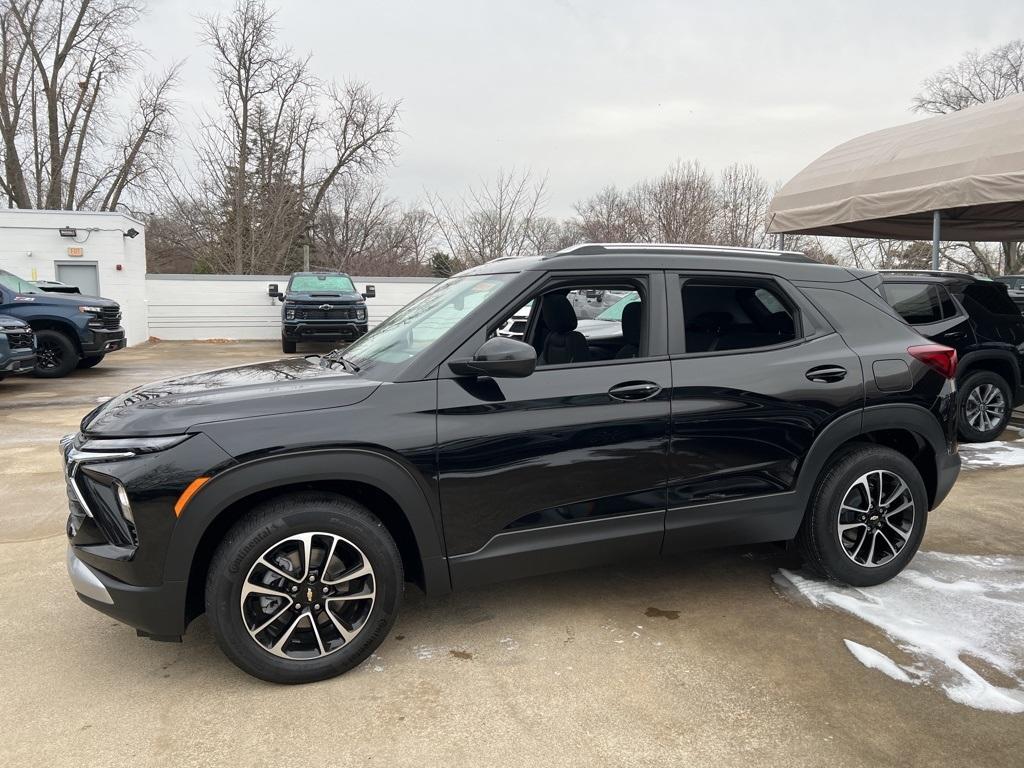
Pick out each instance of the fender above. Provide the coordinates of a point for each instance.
(1003, 355)
(351, 464)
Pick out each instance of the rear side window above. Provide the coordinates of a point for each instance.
(920, 303)
(992, 298)
(720, 315)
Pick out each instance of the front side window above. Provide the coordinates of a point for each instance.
(412, 329)
(321, 284)
(722, 315)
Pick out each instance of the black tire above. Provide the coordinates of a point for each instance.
(89, 362)
(984, 398)
(288, 347)
(819, 539)
(265, 528)
(56, 355)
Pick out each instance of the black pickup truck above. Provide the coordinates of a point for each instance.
(321, 306)
(71, 331)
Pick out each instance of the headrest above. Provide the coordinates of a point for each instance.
(558, 314)
(631, 316)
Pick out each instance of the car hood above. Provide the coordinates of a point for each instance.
(174, 406)
(324, 297)
(63, 300)
(599, 329)
(9, 321)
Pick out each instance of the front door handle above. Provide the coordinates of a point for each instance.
(826, 374)
(634, 390)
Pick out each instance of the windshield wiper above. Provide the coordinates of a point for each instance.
(335, 356)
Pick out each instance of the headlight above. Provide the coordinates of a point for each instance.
(132, 444)
(289, 314)
(88, 309)
(361, 313)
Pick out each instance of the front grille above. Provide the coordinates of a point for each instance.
(334, 313)
(19, 339)
(110, 317)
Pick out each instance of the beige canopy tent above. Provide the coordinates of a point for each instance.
(956, 177)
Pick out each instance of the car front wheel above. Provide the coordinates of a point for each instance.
(867, 516)
(288, 347)
(56, 355)
(304, 588)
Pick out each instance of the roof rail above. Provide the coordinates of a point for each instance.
(589, 249)
(927, 272)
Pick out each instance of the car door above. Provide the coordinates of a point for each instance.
(563, 468)
(756, 374)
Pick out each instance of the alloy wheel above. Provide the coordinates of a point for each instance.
(48, 354)
(308, 596)
(876, 518)
(985, 407)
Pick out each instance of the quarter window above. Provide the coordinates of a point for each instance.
(721, 315)
(920, 303)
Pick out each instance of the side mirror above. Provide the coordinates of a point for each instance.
(272, 291)
(500, 358)
(370, 292)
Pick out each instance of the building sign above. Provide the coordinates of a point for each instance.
(76, 251)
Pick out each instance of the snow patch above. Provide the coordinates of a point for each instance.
(953, 614)
(994, 454)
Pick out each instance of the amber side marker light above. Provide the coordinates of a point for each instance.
(188, 493)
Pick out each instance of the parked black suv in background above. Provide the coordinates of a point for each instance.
(321, 306)
(753, 396)
(1015, 288)
(72, 331)
(977, 318)
(17, 347)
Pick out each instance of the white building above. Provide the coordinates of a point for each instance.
(94, 251)
(97, 252)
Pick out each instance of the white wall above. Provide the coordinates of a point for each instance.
(30, 247)
(183, 307)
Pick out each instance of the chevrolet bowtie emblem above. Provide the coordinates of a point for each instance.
(309, 595)
(325, 307)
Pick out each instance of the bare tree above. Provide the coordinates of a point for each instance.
(492, 220)
(63, 64)
(743, 198)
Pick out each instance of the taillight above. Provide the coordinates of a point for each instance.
(942, 359)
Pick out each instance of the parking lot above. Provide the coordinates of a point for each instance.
(712, 659)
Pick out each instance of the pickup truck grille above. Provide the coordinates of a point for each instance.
(19, 339)
(334, 313)
(111, 317)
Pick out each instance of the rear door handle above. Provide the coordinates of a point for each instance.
(634, 390)
(825, 374)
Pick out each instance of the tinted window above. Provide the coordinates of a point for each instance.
(919, 303)
(720, 316)
(992, 298)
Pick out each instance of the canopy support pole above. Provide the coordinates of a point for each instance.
(936, 235)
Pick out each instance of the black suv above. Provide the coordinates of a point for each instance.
(321, 306)
(71, 331)
(753, 396)
(17, 347)
(978, 319)
(1015, 288)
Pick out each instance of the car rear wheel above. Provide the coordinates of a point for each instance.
(304, 588)
(56, 355)
(984, 407)
(89, 362)
(288, 347)
(867, 517)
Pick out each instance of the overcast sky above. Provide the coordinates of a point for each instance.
(601, 92)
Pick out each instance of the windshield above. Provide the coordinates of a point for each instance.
(16, 284)
(614, 312)
(420, 323)
(321, 284)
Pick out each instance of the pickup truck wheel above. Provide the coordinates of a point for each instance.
(985, 408)
(89, 362)
(288, 347)
(56, 355)
(303, 588)
(866, 518)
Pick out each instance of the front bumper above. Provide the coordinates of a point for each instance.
(103, 341)
(154, 611)
(19, 361)
(329, 330)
